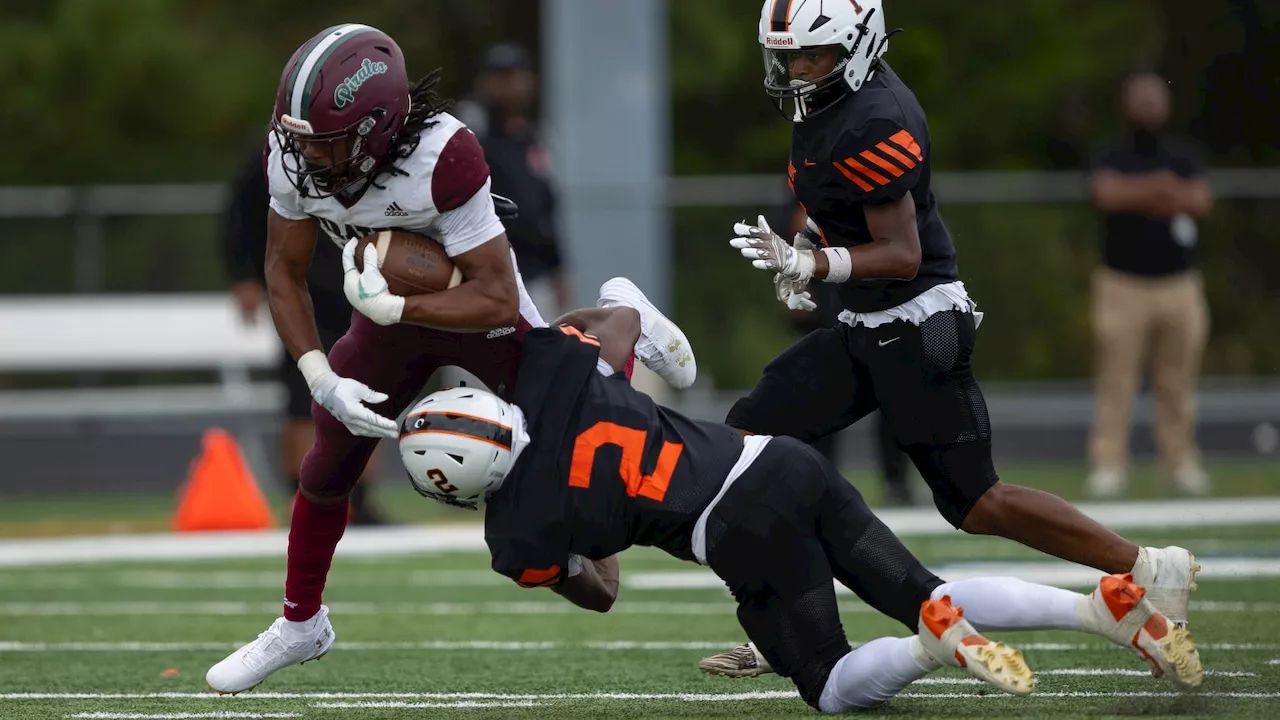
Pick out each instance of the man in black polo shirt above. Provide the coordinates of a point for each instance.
(501, 112)
(1149, 308)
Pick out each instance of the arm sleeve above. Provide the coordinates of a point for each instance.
(469, 225)
(880, 162)
(529, 564)
(460, 187)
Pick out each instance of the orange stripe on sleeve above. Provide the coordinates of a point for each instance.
(888, 167)
(535, 578)
(892, 152)
(582, 337)
(872, 174)
(866, 187)
(904, 140)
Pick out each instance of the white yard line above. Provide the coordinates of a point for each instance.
(455, 538)
(1050, 572)
(178, 716)
(781, 695)
(723, 607)
(82, 578)
(325, 700)
(519, 646)
(477, 704)
(1095, 695)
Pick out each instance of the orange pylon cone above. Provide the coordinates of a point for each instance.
(220, 493)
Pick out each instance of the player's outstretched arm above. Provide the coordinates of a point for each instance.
(595, 588)
(893, 254)
(487, 299)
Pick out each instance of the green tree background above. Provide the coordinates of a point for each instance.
(104, 91)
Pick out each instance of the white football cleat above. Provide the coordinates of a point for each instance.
(950, 640)
(1191, 480)
(662, 347)
(1118, 611)
(1106, 483)
(743, 661)
(279, 646)
(1169, 577)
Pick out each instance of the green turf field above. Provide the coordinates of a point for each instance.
(438, 635)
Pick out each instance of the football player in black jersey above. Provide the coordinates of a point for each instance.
(582, 466)
(860, 167)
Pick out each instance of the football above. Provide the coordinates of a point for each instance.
(413, 264)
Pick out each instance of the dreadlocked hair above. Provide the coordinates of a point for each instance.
(424, 104)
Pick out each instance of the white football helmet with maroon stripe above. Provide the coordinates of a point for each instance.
(457, 445)
(789, 27)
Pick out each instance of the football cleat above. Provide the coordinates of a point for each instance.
(279, 646)
(1191, 480)
(743, 661)
(950, 640)
(1169, 577)
(662, 347)
(1119, 611)
(1106, 483)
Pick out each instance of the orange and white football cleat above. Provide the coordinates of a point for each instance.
(1119, 611)
(949, 639)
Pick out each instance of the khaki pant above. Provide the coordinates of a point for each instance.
(1157, 324)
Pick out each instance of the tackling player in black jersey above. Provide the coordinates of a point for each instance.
(582, 466)
(861, 167)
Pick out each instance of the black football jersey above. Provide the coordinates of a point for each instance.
(606, 467)
(871, 148)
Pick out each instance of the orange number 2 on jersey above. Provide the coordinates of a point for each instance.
(652, 486)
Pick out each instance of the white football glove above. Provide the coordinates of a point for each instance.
(795, 297)
(345, 398)
(767, 251)
(367, 291)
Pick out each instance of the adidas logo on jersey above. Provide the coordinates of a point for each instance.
(499, 332)
(394, 210)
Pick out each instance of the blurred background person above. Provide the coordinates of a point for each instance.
(891, 458)
(501, 112)
(1149, 307)
(245, 243)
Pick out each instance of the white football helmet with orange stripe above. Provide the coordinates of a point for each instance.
(789, 27)
(457, 445)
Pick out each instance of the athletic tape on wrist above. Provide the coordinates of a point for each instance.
(313, 365)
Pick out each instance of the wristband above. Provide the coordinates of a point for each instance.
(839, 265)
(313, 365)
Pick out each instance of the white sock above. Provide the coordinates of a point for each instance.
(872, 674)
(605, 368)
(1005, 603)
